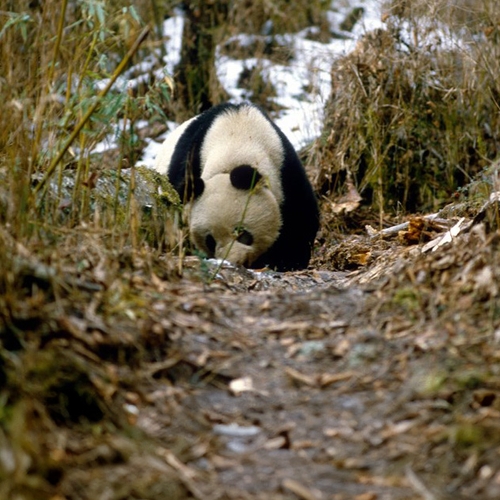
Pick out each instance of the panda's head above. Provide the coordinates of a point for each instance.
(235, 216)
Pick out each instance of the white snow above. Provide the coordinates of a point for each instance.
(302, 85)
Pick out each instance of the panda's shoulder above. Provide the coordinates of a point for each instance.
(200, 124)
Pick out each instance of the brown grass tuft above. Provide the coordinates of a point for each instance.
(413, 118)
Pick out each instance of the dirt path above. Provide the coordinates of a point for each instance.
(298, 391)
(304, 385)
(377, 383)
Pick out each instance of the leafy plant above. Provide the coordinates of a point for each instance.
(64, 94)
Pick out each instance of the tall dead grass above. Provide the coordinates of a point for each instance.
(58, 60)
(71, 239)
(414, 112)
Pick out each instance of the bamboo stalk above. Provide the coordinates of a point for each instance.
(43, 101)
(92, 108)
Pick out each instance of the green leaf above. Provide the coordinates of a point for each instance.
(17, 19)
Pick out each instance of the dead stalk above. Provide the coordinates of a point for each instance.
(92, 108)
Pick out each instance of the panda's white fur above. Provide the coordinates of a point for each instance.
(230, 219)
(261, 219)
(243, 137)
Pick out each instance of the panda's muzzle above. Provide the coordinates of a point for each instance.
(242, 236)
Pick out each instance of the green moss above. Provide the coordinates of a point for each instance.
(467, 435)
(161, 188)
(470, 379)
(409, 299)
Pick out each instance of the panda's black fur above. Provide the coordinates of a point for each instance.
(299, 208)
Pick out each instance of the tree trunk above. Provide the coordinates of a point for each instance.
(197, 85)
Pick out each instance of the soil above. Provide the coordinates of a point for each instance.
(380, 381)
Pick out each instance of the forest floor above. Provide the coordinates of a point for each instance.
(127, 380)
(128, 373)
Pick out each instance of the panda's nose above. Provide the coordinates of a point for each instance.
(227, 252)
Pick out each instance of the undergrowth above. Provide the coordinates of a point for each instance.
(77, 227)
(414, 112)
(69, 84)
(82, 231)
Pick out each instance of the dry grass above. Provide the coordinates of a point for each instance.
(412, 120)
(72, 248)
(281, 16)
(414, 112)
(54, 53)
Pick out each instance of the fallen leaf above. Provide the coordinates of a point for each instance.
(301, 378)
(326, 379)
(239, 385)
(300, 490)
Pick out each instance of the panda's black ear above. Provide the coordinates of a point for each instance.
(244, 177)
(191, 189)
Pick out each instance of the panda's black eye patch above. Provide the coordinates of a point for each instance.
(210, 244)
(244, 177)
(244, 237)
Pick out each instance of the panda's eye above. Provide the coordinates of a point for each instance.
(210, 243)
(244, 237)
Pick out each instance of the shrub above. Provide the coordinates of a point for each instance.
(413, 112)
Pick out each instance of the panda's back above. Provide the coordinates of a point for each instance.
(164, 156)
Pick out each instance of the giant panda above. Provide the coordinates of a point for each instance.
(249, 198)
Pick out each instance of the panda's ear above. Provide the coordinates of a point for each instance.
(244, 177)
(191, 189)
